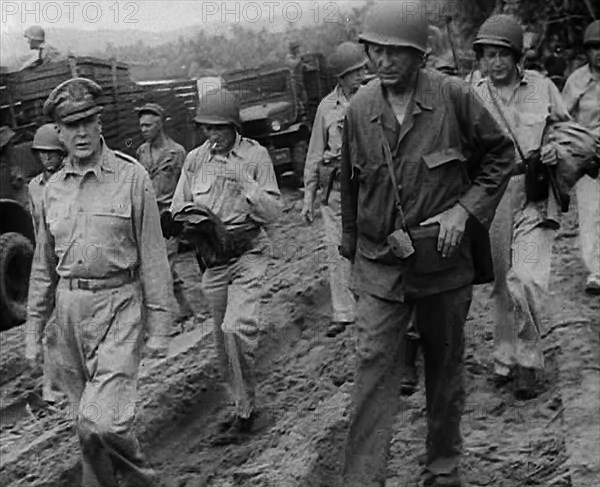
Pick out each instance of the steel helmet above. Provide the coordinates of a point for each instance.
(500, 30)
(592, 34)
(399, 23)
(35, 32)
(46, 138)
(219, 107)
(347, 57)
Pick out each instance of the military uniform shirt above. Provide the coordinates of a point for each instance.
(582, 97)
(96, 222)
(165, 170)
(239, 187)
(326, 137)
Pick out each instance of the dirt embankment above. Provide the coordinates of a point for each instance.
(304, 391)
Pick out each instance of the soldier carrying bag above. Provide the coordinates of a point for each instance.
(423, 264)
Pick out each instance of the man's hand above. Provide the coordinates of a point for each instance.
(452, 228)
(548, 155)
(308, 211)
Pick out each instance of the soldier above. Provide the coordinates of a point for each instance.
(163, 158)
(101, 265)
(523, 230)
(50, 152)
(409, 209)
(232, 177)
(293, 57)
(322, 166)
(581, 95)
(36, 37)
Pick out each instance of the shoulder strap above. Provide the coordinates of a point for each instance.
(505, 122)
(125, 157)
(390, 164)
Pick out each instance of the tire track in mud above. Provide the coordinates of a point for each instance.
(304, 384)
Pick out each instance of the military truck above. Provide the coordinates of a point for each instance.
(22, 96)
(278, 106)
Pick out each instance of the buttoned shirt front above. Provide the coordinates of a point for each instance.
(582, 97)
(534, 98)
(326, 137)
(448, 150)
(96, 222)
(165, 170)
(239, 187)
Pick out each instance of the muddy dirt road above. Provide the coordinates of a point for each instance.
(305, 381)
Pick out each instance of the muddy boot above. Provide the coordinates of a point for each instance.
(239, 430)
(529, 383)
(442, 480)
(185, 310)
(410, 380)
(337, 327)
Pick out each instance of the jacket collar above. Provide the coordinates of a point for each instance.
(105, 163)
(421, 98)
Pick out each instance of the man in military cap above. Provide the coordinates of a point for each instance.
(163, 158)
(581, 94)
(322, 168)
(36, 37)
(233, 177)
(101, 265)
(423, 167)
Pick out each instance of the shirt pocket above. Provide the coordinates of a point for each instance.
(111, 223)
(529, 130)
(443, 165)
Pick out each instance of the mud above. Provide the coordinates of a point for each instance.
(304, 392)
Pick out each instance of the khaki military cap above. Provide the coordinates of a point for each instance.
(153, 108)
(73, 100)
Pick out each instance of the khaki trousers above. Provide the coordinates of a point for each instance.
(522, 254)
(381, 327)
(233, 293)
(588, 202)
(342, 299)
(95, 345)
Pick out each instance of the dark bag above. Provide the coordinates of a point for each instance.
(537, 174)
(426, 272)
(537, 177)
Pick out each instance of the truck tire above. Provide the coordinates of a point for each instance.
(16, 256)
(299, 150)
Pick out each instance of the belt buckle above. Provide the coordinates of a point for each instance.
(83, 284)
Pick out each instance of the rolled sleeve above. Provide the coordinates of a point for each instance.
(155, 274)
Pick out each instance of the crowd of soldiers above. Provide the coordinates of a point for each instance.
(414, 170)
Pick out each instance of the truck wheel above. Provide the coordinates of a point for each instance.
(16, 255)
(299, 151)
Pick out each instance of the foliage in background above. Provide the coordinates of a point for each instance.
(203, 54)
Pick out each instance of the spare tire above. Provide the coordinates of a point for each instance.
(16, 256)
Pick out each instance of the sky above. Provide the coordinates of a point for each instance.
(160, 15)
